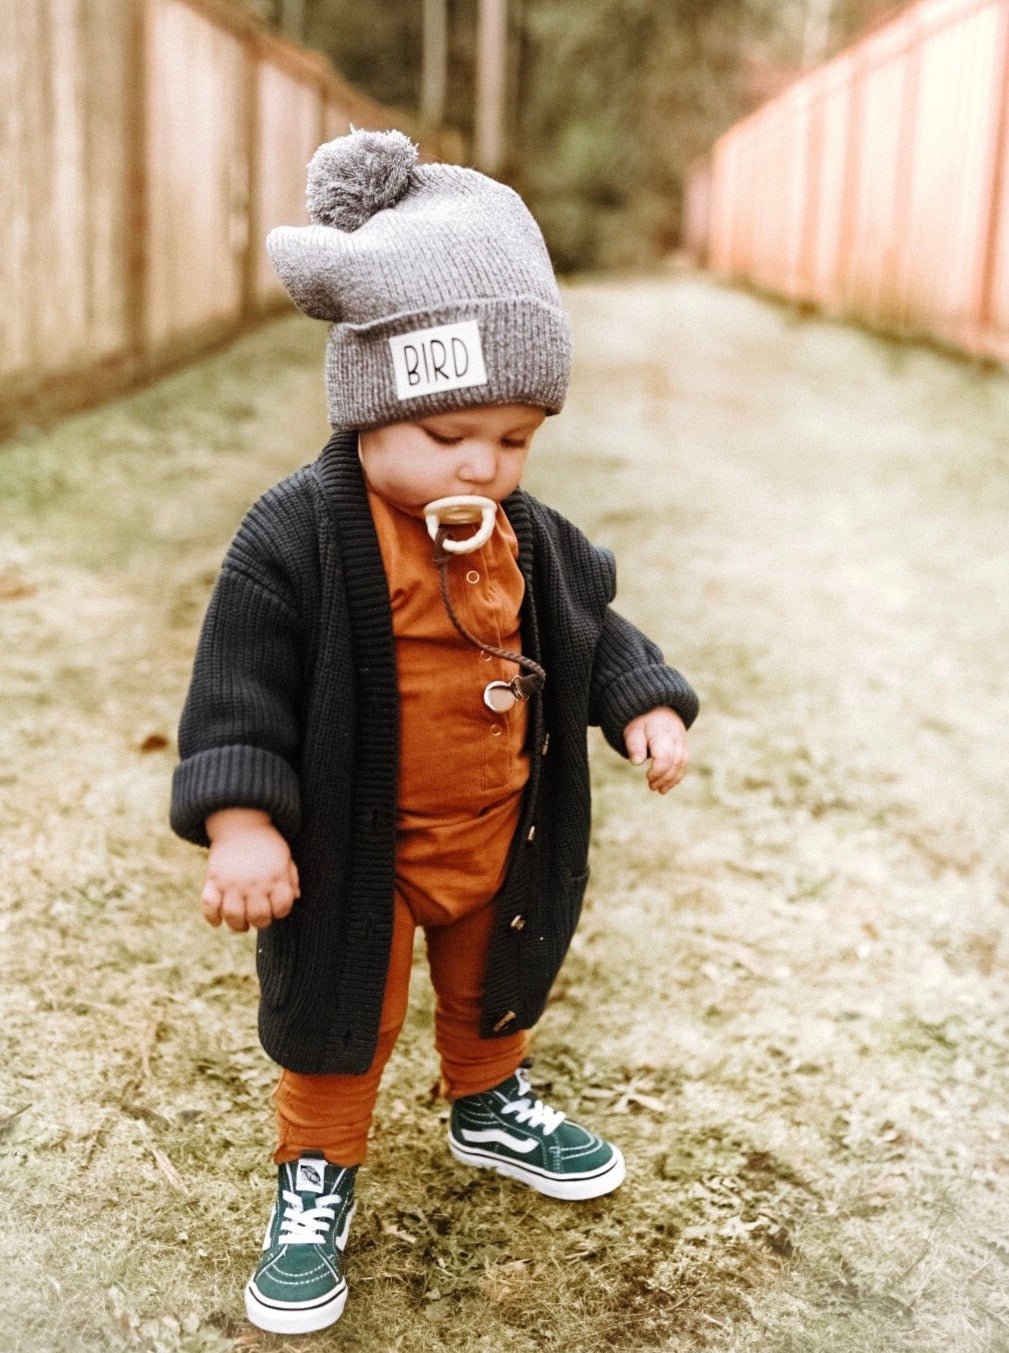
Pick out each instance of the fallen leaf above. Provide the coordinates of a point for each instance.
(394, 1231)
(8, 1118)
(164, 1164)
(13, 588)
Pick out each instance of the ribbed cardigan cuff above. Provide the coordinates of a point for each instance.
(636, 692)
(236, 776)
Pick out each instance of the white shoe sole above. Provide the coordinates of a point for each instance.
(569, 1188)
(295, 1319)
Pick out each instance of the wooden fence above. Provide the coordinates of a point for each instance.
(146, 147)
(875, 187)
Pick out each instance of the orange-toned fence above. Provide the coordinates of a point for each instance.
(876, 186)
(146, 146)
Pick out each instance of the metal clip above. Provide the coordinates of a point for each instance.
(501, 696)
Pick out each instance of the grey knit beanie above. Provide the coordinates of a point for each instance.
(436, 282)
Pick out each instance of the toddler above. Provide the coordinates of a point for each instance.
(386, 725)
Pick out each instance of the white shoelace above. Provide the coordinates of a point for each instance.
(302, 1225)
(535, 1113)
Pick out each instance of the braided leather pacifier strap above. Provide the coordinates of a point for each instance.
(521, 686)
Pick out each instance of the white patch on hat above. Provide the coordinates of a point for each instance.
(429, 361)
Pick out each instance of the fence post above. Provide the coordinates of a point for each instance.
(251, 156)
(491, 85)
(809, 229)
(903, 189)
(434, 64)
(989, 264)
(137, 205)
(849, 204)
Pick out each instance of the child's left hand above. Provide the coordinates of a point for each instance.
(661, 735)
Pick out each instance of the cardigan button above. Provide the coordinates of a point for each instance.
(517, 923)
(504, 1021)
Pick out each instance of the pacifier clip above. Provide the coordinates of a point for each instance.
(462, 510)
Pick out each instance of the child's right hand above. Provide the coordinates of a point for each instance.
(251, 877)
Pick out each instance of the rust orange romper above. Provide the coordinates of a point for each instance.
(461, 776)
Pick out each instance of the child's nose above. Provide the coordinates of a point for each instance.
(479, 465)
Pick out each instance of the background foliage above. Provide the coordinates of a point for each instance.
(610, 101)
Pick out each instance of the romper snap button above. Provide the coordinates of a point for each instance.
(472, 576)
(496, 731)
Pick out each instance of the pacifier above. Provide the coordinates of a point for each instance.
(461, 509)
(464, 510)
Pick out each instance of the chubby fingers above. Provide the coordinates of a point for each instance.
(669, 762)
(661, 736)
(636, 741)
(211, 899)
(224, 902)
(239, 908)
(234, 909)
(282, 896)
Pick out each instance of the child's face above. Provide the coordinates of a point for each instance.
(472, 451)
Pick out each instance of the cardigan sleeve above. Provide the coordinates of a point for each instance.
(239, 734)
(630, 677)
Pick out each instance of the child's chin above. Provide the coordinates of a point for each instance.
(411, 509)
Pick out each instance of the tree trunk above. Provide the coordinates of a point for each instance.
(491, 85)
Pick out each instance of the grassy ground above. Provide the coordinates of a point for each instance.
(788, 998)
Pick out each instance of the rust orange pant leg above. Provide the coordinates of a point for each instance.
(456, 955)
(333, 1114)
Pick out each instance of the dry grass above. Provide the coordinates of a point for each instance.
(787, 1001)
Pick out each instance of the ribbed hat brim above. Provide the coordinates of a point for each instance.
(526, 350)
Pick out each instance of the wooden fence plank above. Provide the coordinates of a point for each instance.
(876, 186)
(147, 146)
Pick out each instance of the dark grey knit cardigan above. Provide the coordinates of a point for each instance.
(293, 709)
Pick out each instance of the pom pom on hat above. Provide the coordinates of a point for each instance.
(355, 176)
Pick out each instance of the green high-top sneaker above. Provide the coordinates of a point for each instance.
(298, 1285)
(507, 1130)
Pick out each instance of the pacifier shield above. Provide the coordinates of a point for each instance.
(460, 510)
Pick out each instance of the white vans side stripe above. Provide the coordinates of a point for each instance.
(523, 1144)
